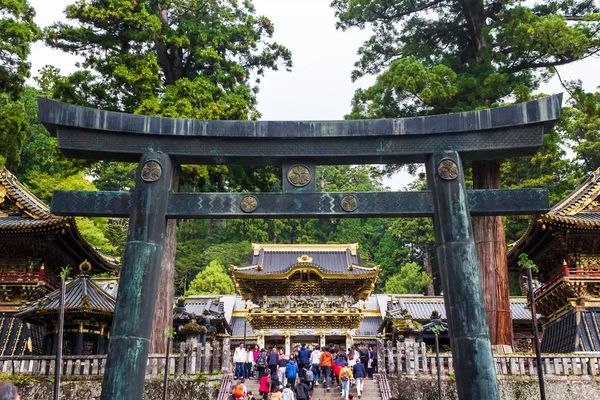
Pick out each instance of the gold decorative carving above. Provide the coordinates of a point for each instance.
(305, 258)
(299, 175)
(447, 169)
(249, 204)
(349, 203)
(152, 171)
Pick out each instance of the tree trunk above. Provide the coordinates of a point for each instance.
(163, 312)
(490, 242)
(428, 270)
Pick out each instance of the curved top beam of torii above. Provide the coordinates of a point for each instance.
(484, 134)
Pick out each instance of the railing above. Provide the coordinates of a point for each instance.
(412, 359)
(384, 386)
(225, 389)
(190, 361)
(571, 272)
(28, 277)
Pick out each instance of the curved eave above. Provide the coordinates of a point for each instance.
(369, 273)
(54, 114)
(540, 231)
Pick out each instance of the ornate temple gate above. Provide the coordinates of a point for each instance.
(159, 144)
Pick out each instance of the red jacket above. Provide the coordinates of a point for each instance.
(265, 383)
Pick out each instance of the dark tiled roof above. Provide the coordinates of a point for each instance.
(421, 308)
(559, 336)
(82, 294)
(369, 326)
(15, 336)
(278, 259)
(589, 330)
(237, 326)
(210, 308)
(35, 215)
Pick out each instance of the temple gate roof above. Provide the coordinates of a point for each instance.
(24, 217)
(82, 296)
(569, 229)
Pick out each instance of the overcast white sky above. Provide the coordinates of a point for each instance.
(319, 87)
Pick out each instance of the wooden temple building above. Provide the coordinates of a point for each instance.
(88, 316)
(406, 315)
(302, 294)
(565, 245)
(34, 246)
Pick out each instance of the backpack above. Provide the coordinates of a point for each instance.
(238, 392)
(261, 362)
(345, 375)
(309, 375)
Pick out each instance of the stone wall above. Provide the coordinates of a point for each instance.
(511, 388)
(178, 389)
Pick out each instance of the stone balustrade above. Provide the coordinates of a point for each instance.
(412, 359)
(190, 361)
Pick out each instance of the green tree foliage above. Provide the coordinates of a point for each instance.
(212, 280)
(580, 126)
(439, 56)
(17, 33)
(178, 58)
(410, 279)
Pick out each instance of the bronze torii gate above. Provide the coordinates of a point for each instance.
(438, 141)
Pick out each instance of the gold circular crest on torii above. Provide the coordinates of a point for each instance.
(299, 175)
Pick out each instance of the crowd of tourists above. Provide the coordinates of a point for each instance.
(294, 376)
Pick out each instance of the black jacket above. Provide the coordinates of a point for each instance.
(301, 391)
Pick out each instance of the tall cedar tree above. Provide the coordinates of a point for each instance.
(440, 56)
(176, 58)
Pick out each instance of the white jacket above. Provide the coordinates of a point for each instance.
(287, 394)
(315, 357)
(240, 355)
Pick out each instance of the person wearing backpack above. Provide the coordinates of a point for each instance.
(345, 376)
(302, 390)
(240, 390)
(261, 362)
(291, 372)
(309, 377)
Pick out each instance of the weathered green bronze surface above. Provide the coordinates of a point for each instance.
(497, 133)
(463, 296)
(301, 205)
(436, 140)
(132, 323)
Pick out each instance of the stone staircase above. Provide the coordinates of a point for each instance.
(371, 391)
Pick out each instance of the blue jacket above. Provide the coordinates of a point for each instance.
(291, 371)
(303, 355)
(273, 358)
(358, 371)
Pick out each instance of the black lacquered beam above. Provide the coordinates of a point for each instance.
(484, 134)
(301, 205)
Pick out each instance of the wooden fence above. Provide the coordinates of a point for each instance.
(412, 359)
(190, 360)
